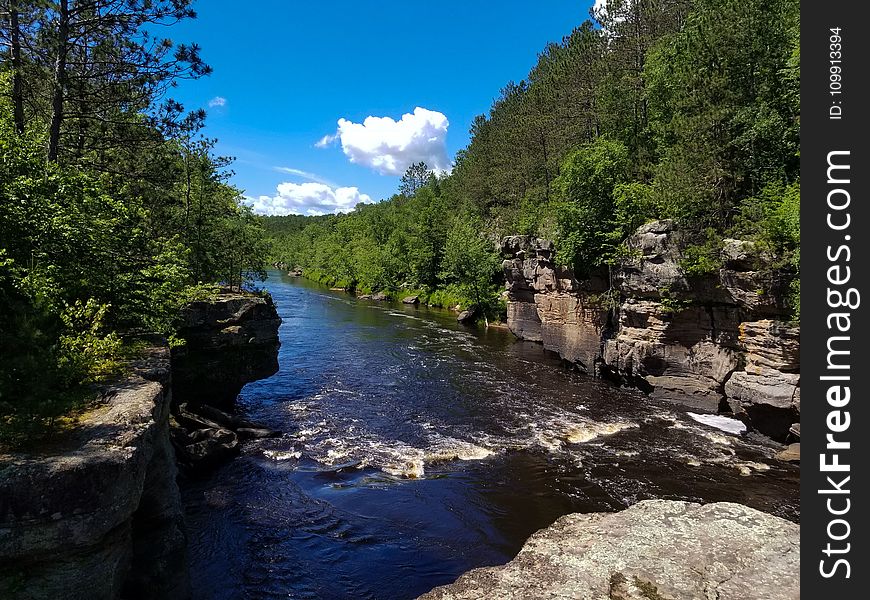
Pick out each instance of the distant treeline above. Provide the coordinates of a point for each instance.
(681, 109)
(113, 209)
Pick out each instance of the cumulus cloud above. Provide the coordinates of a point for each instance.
(389, 146)
(311, 198)
(217, 102)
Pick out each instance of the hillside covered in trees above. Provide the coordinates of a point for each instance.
(679, 109)
(114, 210)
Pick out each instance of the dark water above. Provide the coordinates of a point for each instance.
(416, 449)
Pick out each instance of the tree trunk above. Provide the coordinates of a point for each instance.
(15, 51)
(57, 99)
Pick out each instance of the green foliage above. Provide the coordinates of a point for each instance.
(704, 258)
(87, 352)
(470, 262)
(104, 240)
(588, 232)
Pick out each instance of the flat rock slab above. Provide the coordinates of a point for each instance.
(656, 549)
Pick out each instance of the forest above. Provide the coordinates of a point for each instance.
(114, 209)
(651, 109)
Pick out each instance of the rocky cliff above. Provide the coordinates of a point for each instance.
(718, 342)
(98, 515)
(229, 341)
(656, 549)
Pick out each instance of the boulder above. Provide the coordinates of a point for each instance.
(466, 316)
(411, 300)
(364, 297)
(379, 296)
(770, 398)
(656, 549)
(739, 254)
(792, 453)
(234, 423)
(205, 448)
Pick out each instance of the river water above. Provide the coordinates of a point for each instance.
(416, 449)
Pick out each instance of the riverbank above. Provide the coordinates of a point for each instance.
(96, 514)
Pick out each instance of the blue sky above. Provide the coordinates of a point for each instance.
(288, 75)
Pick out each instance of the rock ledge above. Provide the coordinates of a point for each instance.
(656, 549)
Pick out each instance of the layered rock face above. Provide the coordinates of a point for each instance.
(655, 549)
(230, 341)
(98, 516)
(717, 342)
(547, 304)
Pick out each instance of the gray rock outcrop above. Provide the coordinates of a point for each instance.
(229, 341)
(656, 549)
(713, 342)
(98, 515)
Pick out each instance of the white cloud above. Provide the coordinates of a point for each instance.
(305, 175)
(390, 147)
(217, 102)
(310, 198)
(325, 141)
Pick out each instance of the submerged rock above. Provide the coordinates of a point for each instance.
(205, 448)
(658, 549)
(207, 437)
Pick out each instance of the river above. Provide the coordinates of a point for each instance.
(417, 449)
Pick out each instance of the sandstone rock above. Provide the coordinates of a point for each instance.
(764, 386)
(684, 356)
(771, 344)
(769, 397)
(100, 512)
(761, 292)
(524, 321)
(792, 453)
(572, 329)
(676, 337)
(229, 341)
(795, 430)
(654, 264)
(655, 549)
(411, 300)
